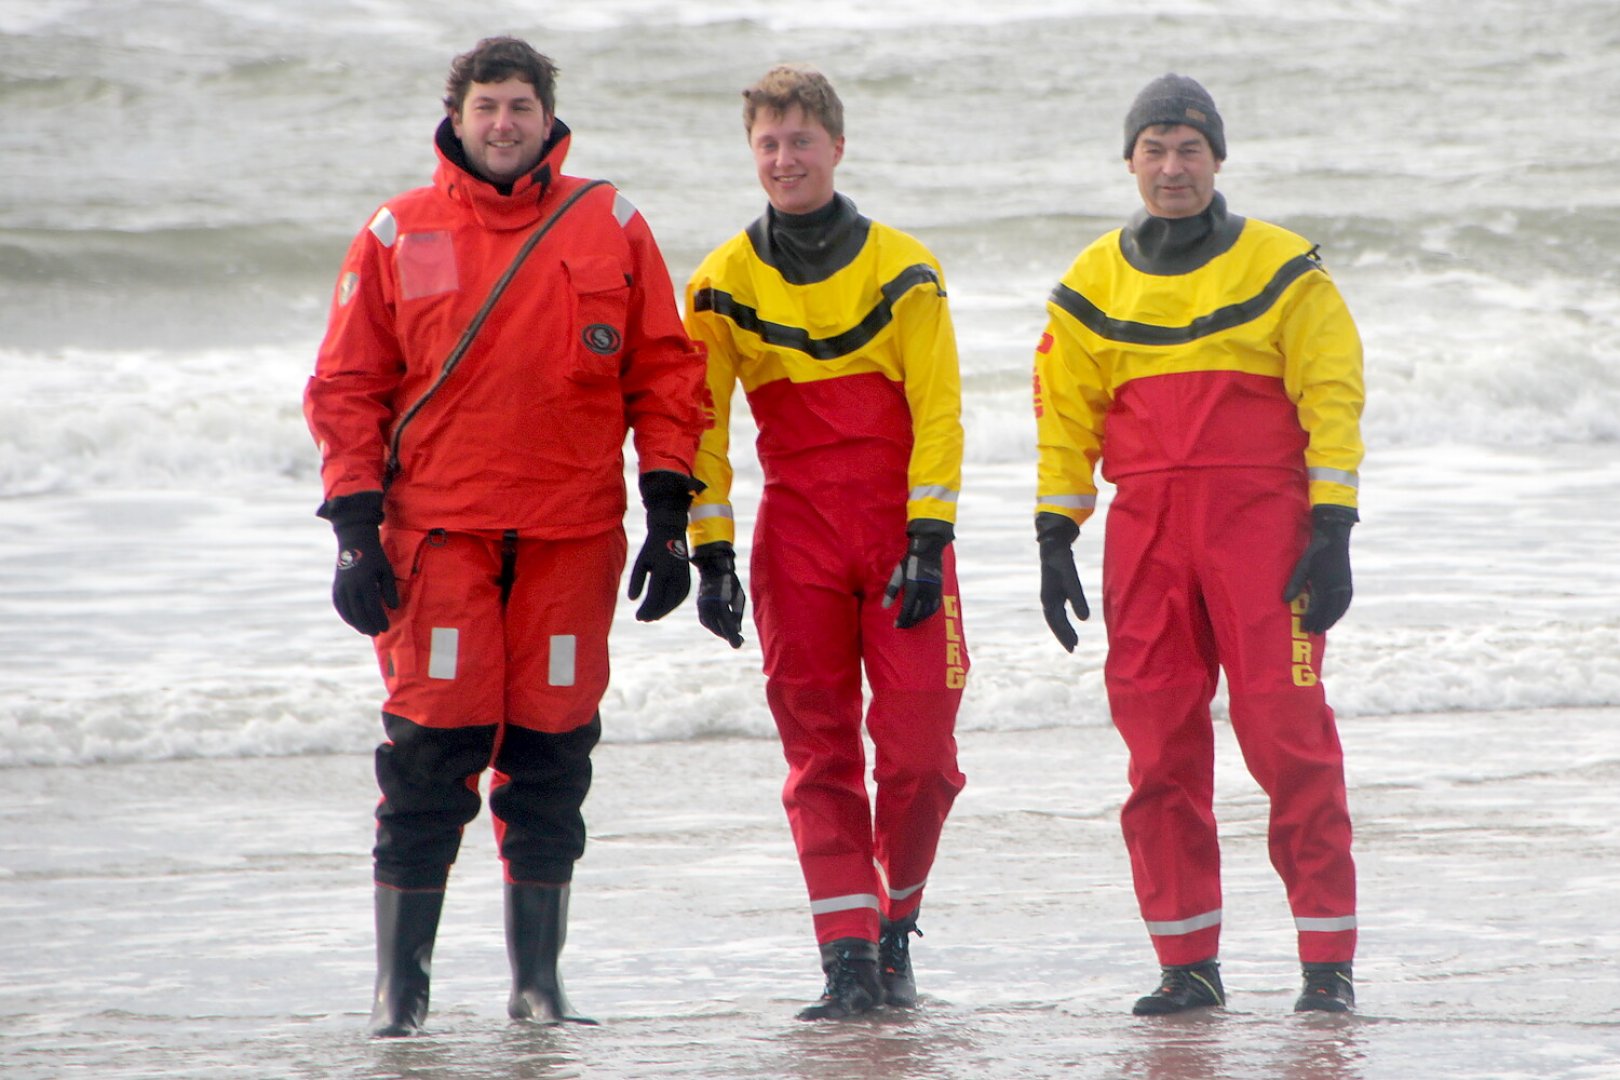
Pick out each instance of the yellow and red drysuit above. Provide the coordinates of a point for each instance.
(1220, 383)
(504, 481)
(839, 331)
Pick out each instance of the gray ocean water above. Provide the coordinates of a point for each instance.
(178, 181)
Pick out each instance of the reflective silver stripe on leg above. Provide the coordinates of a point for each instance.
(560, 670)
(843, 903)
(1184, 926)
(1326, 926)
(443, 645)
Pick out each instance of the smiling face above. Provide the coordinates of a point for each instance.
(1174, 169)
(503, 129)
(795, 158)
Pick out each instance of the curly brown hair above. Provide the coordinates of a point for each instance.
(497, 59)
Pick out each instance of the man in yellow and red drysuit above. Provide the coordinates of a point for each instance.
(838, 328)
(492, 338)
(1209, 362)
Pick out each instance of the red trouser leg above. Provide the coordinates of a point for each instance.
(442, 716)
(1279, 709)
(476, 672)
(558, 613)
(1194, 572)
(817, 602)
(916, 676)
(1161, 675)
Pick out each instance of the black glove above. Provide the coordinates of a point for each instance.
(1060, 582)
(720, 599)
(363, 587)
(1324, 569)
(667, 495)
(920, 575)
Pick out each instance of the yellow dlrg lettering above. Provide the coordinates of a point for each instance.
(955, 678)
(1302, 652)
(1304, 675)
(953, 654)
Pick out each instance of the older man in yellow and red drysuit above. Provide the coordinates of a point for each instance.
(492, 339)
(838, 328)
(1209, 362)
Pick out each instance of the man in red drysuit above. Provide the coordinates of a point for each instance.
(1210, 363)
(838, 329)
(492, 339)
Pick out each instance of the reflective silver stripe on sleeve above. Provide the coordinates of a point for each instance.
(623, 209)
(1326, 926)
(934, 491)
(843, 903)
(712, 510)
(384, 227)
(1069, 502)
(1184, 926)
(1334, 476)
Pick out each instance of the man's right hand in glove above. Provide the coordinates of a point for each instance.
(1060, 582)
(720, 598)
(363, 588)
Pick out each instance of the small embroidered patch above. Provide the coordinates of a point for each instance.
(601, 339)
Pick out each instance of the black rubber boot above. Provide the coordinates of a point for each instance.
(1328, 988)
(1183, 987)
(894, 961)
(536, 928)
(853, 986)
(407, 921)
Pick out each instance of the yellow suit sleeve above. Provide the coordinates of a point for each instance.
(1071, 400)
(711, 518)
(933, 387)
(1323, 377)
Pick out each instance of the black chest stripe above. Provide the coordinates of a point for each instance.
(1135, 333)
(798, 338)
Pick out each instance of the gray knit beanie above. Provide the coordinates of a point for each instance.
(1175, 99)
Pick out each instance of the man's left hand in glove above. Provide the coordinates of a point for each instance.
(720, 598)
(662, 565)
(1324, 570)
(919, 578)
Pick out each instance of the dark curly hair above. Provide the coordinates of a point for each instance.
(497, 59)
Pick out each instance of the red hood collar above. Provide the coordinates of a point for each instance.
(495, 210)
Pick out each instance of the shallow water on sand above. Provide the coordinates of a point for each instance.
(198, 919)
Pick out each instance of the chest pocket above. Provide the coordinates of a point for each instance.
(426, 263)
(601, 295)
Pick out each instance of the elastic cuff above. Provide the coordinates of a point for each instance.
(931, 529)
(1053, 528)
(1333, 515)
(668, 487)
(360, 508)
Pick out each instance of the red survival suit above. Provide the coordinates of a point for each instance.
(1213, 367)
(503, 471)
(839, 331)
